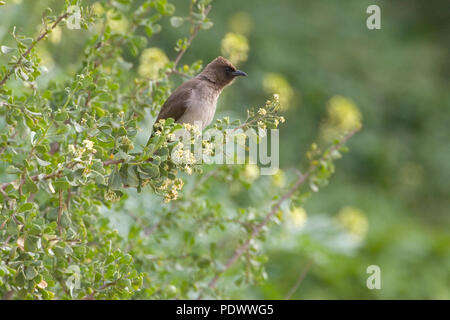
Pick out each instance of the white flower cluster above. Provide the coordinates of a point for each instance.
(194, 130)
(87, 148)
(170, 189)
(208, 147)
(111, 196)
(182, 155)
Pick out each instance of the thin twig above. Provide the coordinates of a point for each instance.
(91, 296)
(27, 52)
(189, 41)
(173, 71)
(69, 195)
(112, 162)
(35, 178)
(257, 229)
(60, 210)
(149, 231)
(299, 279)
(56, 174)
(205, 177)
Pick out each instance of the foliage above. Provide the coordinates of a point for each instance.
(74, 154)
(397, 175)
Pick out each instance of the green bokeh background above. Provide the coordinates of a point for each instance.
(398, 170)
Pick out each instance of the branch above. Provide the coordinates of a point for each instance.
(27, 52)
(257, 229)
(112, 162)
(174, 71)
(192, 36)
(35, 178)
(107, 285)
(56, 174)
(244, 247)
(60, 210)
(299, 280)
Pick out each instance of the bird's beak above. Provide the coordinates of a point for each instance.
(239, 73)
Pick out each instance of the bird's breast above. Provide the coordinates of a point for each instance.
(201, 107)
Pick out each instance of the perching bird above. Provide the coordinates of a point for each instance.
(195, 100)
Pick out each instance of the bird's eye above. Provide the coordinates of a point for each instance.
(228, 69)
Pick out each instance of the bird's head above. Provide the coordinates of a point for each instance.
(221, 72)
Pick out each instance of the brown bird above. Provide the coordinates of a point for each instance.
(195, 100)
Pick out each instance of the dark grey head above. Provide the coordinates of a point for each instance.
(222, 72)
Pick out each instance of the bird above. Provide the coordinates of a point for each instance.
(194, 102)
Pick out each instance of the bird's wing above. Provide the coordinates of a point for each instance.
(177, 104)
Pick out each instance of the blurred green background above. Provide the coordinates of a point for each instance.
(391, 192)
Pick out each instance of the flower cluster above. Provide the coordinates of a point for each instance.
(151, 62)
(170, 188)
(354, 221)
(343, 115)
(182, 155)
(266, 117)
(235, 47)
(110, 195)
(87, 148)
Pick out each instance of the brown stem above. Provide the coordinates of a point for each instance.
(35, 178)
(91, 296)
(111, 162)
(191, 37)
(174, 71)
(60, 210)
(69, 195)
(299, 279)
(257, 229)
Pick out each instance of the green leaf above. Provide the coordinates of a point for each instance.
(156, 28)
(25, 207)
(139, 41)
(59, 251)
(148, 171)
(29, 185)
(30, 273)
(5, 49)
(176, 21)
(20, 278)
(313, 187)
(114, 181)
(13, 170)
(206, 25)
(32, 243)
(122, 131)
(62, 116)
(41, 162)
(148, 31)
(61, 184)
(29, 121)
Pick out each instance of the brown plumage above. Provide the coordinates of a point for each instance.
(195, 100)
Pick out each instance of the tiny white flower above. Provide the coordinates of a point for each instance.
(88, 144)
